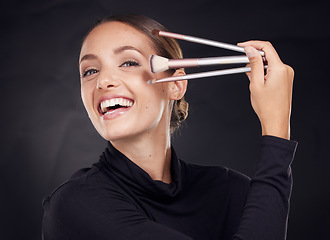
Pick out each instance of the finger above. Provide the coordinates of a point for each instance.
(248, 74)
(270, 53)
(257, 66)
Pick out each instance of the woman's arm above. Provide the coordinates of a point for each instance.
(267, 206)
(266, 209)
(271, 94)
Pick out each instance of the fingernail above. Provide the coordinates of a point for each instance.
(249, 52)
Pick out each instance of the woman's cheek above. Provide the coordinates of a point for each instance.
(87, 96)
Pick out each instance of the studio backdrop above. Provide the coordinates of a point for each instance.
(46, 134)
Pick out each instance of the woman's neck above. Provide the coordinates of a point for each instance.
(151, 152)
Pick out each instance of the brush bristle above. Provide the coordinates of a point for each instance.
(158, 64)
(155, 32)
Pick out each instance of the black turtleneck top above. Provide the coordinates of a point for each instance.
(115, 199)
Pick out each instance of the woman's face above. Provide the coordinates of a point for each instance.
(114, 71)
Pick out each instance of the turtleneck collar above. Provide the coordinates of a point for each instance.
(116, 164)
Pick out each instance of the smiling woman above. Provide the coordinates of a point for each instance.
(139, 189)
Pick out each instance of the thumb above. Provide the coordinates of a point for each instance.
(256, 63)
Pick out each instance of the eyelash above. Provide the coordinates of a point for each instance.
(129, 63)
(89, 72)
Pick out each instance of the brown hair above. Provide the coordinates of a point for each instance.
(166, 47)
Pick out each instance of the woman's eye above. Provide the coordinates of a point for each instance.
(130, 63)
(90, 72)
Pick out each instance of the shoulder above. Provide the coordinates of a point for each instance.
(74, 188)
(87, 206)
(87, 193)
(80, 180)
(219, 172)
(214, 175)
(83, 189)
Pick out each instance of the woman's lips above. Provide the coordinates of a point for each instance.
(114, 106)
(111, 114)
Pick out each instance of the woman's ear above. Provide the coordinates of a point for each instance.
(178, 88)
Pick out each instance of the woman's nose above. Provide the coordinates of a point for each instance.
(106, 81)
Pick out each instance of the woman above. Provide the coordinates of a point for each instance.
(139, 189)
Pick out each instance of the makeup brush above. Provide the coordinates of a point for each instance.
(201, 75)
(201, 41)
(160, 64)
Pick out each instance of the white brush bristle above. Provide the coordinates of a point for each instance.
(158, 64)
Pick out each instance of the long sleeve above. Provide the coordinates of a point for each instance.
(117, 200)
(79, 211)
(267, 206)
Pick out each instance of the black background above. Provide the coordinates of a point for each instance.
(46, 134)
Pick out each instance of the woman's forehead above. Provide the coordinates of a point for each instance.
(117, 33)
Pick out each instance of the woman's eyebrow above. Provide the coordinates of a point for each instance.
(116, 51)
(124, 48)
(88, 57)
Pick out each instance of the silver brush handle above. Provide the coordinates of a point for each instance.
(197, 62)
(222, 60)
(205, 74)
(217, 44)
(204, 41)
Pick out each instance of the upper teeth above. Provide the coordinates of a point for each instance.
(113, 102)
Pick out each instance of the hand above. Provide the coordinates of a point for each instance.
(271, 94)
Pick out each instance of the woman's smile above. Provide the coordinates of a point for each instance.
(111, 107)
